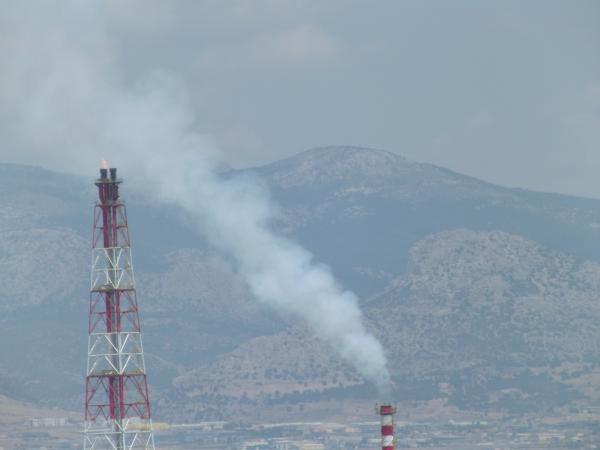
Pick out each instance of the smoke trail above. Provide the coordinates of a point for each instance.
(148, 130)
(235, 215)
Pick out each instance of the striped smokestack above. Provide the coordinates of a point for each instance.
(387, 412)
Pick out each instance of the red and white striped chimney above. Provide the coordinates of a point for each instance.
(387, 412)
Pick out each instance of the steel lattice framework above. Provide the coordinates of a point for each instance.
(117, 406)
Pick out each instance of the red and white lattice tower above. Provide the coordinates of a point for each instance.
(387, 412)
(117, 406)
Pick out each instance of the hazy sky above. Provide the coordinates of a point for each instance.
(508, 91)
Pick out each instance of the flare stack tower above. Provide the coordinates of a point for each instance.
(117, 405)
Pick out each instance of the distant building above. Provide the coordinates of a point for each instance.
(310, 446)
(260, 444)
(48, 422)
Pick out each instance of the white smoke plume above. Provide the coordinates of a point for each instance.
(66, 104)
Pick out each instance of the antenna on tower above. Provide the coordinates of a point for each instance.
(117, 405)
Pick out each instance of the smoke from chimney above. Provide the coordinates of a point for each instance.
(76, 104)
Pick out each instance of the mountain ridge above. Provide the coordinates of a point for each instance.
(380, 230)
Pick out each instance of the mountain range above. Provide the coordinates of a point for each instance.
(484, 297)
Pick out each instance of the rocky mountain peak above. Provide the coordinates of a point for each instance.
(335, 164)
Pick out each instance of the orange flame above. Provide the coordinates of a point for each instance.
(104, 164)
